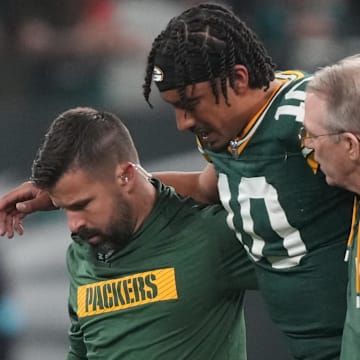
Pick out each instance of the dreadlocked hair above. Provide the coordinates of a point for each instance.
(206, 30)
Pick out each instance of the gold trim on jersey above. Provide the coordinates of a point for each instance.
(355, 226)
(126, 292)
(289, 75)
(309, 157)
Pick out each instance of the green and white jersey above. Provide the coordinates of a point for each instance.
(174, 292)
(279, 207)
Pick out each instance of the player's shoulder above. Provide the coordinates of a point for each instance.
(206, 212)
(77, 251)
(290, 97)
(180, 209)
(293, 75)
(198, 214)
(211, 211)
(214, 216)
(293, 79)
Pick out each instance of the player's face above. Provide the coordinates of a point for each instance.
(329, 149)
(96, 210)
(214, 124)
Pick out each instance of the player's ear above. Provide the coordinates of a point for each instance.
(241, 78)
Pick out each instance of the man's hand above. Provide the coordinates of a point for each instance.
(19, 202)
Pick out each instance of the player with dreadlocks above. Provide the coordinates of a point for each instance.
(219, 78)
(198, 52)
(246, 117)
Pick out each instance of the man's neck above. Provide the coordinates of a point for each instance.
(145, 201)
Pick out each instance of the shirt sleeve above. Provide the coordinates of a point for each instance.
(233, 261)
(77, 349)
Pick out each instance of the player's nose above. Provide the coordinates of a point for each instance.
(184, 120)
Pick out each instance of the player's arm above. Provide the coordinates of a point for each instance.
(19, 202)
(201, 186)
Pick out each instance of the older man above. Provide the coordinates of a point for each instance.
(332, 130)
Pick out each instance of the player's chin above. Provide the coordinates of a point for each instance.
(217, 146)
(95, 240)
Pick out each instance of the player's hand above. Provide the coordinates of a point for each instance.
(19, 202)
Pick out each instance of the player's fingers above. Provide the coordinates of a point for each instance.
(41, 202)
(18, 227)
(4, 219)
(9, 227)
(25, 207)
(20, 193)
(8, 205)
(2, 224)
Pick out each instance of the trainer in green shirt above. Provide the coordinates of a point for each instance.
(152, 275)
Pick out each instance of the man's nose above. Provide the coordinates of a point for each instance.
(75, 221)
(184, 120)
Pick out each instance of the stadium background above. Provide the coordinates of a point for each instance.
(92, 52)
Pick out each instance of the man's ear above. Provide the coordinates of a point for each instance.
(241, 78)
(352, 144)
(124, 173)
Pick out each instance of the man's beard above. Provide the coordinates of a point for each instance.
(118, 233)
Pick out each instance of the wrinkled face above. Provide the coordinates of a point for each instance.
(330, 149)
(214, 124)
(96, 210)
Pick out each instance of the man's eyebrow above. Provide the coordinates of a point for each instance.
(78, 204)
(188, 101)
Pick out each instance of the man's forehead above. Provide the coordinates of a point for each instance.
(315, 110)
(68, 193)
(192, 92)
(74, 181)
(167, 72)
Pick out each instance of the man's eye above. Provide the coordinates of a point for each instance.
(190, 106)
(79, 207)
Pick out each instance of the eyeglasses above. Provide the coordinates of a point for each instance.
(304, 135)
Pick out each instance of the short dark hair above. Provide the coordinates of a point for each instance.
(81, 138)
(205, 31)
